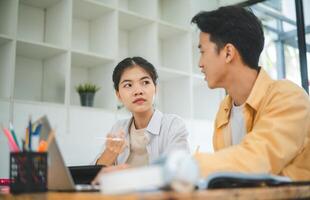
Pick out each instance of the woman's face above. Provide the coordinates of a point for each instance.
(136, 90)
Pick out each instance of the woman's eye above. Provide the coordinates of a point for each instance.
(127, 85)
(146, 82)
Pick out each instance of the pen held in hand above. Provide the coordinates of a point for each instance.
(111, 139)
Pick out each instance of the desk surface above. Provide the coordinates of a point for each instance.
(285, 192)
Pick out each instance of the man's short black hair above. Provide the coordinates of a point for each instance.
(131, 62)
(235, 25)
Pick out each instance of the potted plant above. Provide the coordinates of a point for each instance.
(87, 92)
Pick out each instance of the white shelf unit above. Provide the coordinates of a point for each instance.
(40, 72)
(137, 36)
(48, 47)
(175, 11)
(95, 69)
(7, 49)
(174, 48)
(148, 9)
(44, 22)
(94, 27)
(8, 10)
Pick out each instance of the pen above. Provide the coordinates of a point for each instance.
(29, 134)
(13, 146)
(37, 130)
(36, 137)
(24, 145)
(26, 139)
(14, 135)
(111, 139)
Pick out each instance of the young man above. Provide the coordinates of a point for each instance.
(262, 125)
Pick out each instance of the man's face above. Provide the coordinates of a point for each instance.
(211, 62)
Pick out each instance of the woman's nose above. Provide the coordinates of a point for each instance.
(138, 91)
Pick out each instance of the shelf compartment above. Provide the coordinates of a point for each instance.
(137, 37)
(81, 59)
(40, 72)
(98, 71)
(7, 50)
(44, 21)
(141, 7)
(174, 48)
(175, 12)
(8, 17)
(94, 28)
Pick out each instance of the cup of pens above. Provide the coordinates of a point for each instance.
(28, 161)
(28, 172)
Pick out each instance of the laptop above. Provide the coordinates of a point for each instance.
(59, 176)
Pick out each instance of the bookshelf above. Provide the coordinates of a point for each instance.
(48, 47)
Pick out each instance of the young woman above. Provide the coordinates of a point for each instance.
(148, 134)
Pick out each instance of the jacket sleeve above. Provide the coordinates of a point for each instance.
(275, 140)
(178, 136)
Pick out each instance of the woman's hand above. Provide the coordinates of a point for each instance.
(115, 144)
(105, 170)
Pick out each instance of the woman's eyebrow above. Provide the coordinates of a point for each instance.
(126, 80)
(145, 77)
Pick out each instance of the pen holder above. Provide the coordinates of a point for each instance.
(28, 172)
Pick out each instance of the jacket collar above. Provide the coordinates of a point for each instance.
(257, 93)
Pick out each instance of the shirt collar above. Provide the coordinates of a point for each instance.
(154, 124)
(259, 89)
(257, 93)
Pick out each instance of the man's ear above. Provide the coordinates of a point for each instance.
(230, 52)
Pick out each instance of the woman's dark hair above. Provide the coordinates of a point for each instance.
(130, 62)
(235, 25)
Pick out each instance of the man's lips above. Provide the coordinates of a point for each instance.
(139, 100)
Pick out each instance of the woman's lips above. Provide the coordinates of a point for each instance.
(139, 101)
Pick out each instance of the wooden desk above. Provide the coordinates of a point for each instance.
(286, 192)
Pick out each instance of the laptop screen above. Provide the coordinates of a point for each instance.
(59, 177)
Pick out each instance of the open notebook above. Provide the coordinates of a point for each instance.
(59, 176)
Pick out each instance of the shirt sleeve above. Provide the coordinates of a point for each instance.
(178, 136)
(275, 140)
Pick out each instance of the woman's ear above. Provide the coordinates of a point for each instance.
(118, 96)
